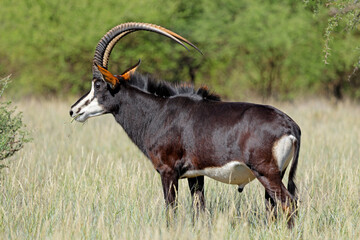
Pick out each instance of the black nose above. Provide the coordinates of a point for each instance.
(71, 113)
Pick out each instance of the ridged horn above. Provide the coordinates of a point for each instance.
(108, 41)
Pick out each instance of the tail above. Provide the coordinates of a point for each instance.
(291, 183)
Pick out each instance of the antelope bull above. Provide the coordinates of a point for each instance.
(190, 133)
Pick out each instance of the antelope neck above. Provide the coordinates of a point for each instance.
(135, 112)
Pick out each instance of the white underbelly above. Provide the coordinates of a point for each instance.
(232, 173)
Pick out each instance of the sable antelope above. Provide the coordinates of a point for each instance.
(188, 133)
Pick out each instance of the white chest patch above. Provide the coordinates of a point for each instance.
(232, 173)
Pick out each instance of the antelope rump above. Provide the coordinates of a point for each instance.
(190, 133)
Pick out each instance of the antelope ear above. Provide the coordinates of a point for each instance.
(108, 76)
(129, 71)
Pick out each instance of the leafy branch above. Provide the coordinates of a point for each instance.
(12, 133)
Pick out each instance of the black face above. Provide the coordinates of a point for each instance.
(101, 90)
(98, 84)
(100, 87)
(105, 94)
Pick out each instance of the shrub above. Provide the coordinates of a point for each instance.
(12, 129)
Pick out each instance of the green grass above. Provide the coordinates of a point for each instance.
(89, 181)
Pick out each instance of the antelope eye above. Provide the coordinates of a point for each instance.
(97, 84)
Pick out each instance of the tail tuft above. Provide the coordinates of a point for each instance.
(291, 184)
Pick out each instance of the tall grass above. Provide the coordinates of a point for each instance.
(89, 181)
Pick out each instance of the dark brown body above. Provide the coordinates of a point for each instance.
(203, 134)
(181, 133)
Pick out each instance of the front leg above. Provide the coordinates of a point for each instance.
(169, 180)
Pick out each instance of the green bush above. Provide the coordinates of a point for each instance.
(12, 132)
(271, 48)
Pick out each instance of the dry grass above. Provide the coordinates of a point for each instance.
(89, 181)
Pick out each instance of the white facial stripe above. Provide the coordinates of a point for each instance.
(85, 101)
(283, 151)
(232, 173)
(87, 107)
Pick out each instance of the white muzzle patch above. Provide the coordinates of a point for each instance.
(87, 107)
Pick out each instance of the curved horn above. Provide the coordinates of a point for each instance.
(107, 43)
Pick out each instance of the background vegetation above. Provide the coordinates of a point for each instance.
(12, 130)
(266, 48)
(89, 181)
(69, 184)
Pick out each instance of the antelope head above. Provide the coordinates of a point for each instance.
(104, 84)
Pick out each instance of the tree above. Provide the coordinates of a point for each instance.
(343, 20)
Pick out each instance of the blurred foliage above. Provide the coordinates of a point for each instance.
(13, 136)
(344, 15)
(270, 48)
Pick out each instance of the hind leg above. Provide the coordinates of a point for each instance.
(270, 203)
(270, 177)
